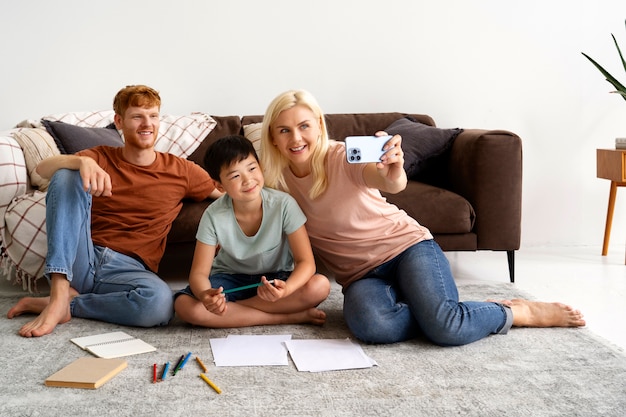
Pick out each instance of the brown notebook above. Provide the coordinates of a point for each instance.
(86, 372)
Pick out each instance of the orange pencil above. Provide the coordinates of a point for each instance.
(202, 365)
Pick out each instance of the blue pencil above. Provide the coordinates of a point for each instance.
(245, 287)
(182, 364)
(165, 369)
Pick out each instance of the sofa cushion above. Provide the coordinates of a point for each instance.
(225, 125)
(340, 125)
(421, 142)
(71, 139)
(440, 210)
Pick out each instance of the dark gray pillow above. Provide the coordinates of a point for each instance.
(71, 138)
(421, 142)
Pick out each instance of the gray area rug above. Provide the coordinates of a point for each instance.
(529, 372)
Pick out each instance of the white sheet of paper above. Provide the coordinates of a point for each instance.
(328, 355)
(253, 350)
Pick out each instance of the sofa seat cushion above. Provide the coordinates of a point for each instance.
(440, 210)
(185, 225)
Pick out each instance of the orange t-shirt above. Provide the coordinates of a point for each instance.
(353, 229)
(136, 219)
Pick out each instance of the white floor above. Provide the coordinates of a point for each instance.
(576, 275)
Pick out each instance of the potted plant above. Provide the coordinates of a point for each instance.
(620, 89)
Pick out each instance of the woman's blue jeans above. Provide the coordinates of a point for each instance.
(415, 293)
(112, 287)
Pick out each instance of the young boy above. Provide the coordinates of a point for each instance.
(262, 240)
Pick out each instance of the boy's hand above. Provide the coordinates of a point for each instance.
(214, 301)
(272, 292)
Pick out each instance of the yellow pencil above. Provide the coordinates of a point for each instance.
(211, 384)
(202, 365)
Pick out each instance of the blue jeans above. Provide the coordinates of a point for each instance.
(413, 294)
(112, 287)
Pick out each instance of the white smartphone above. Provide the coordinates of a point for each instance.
(365, 149)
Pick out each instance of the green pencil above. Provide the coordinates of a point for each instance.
(245, 287)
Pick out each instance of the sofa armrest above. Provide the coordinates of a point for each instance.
(486, 168)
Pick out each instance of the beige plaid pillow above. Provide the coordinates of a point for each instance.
(37, 144)
(253, 133)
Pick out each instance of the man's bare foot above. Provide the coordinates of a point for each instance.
(51, 312)
(540, 314)
(28, 305)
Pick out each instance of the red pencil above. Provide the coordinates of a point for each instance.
(154, 374)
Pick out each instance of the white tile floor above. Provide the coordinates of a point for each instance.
(576, 275)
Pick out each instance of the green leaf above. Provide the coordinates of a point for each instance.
(618, 86)
(619, 52)
(621, 90)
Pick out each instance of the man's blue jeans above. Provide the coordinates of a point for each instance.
(112, 287)
(415, 293)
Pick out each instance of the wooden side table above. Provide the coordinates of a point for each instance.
(611, 165)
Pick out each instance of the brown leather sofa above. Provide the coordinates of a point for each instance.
(470, 198)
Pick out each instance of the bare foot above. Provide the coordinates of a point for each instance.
(311, 316)
(28, 305)
(52, 314)
(540, 314)
(52, 311)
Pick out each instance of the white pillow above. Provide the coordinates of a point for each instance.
(25, 237)
(181, 135)
(253, 133)
(13, 174)
(101, 118)
(178, 135)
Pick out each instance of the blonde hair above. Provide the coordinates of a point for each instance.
(273, 162)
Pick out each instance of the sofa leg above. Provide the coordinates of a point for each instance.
(510, 256)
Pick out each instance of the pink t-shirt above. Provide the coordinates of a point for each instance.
(352, 227)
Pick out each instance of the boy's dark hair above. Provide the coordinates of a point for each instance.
(225, 151)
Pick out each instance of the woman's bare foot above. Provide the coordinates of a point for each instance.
(541, 314)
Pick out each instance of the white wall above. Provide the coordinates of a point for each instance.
(481, 63)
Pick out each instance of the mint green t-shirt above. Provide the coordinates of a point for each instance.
(267, 251)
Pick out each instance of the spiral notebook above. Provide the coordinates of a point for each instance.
(113, 345)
